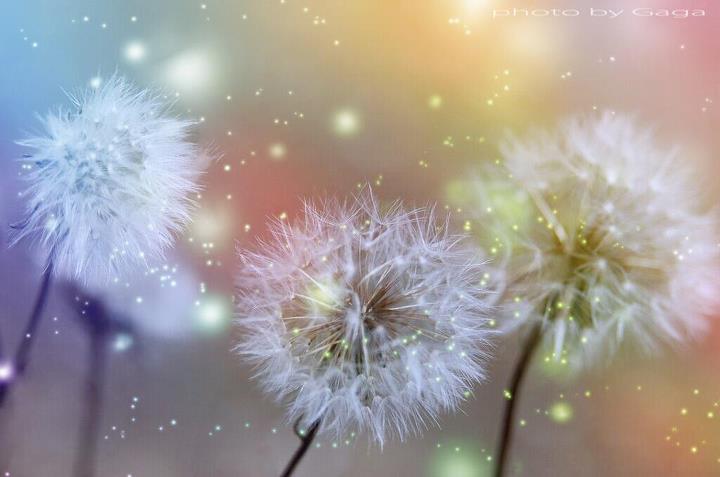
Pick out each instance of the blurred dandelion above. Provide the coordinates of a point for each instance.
(159, 300)
(102, 327)
(364, 319)
(616, 246)
(603, 240)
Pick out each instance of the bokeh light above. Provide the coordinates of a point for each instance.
(460, 459)
(123, 342)
(212, 224)
(7, 371)
(212, 314)
(435, 101)
(191, 72)
(346, 122)
(135, 51)
(277, 151)
(561, 412)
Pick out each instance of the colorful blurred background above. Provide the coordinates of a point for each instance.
(305, 98)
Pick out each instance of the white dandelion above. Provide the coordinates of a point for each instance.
(362, 319)
(604, 241)
(110, 181)
(609, 241)
(110, 184)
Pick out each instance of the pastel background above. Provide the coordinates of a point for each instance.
(305, 98)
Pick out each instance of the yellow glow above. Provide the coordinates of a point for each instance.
(277, 151)
(346, 122)
(435, 101)
(561, 412)
(460, 459)
(324, 295)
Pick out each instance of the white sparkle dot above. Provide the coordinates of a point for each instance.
(134, 51)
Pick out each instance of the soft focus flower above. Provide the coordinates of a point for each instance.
(365, 319)
(110, 181)
(160, 300)
(603, 238)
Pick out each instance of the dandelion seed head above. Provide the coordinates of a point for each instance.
(368, 319)
(606, 239)
(109, 181)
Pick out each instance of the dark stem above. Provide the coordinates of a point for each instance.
(2, 363)
(529, 346)
(22, 355)
(306, 440)
(86, 456)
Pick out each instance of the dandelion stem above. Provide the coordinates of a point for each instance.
(94, 386)
(2, 363)
(22, 355)
(306, 439)
(530, 345)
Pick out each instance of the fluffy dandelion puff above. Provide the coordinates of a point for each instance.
(603, 237)
(110, 181)
(367, 320)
